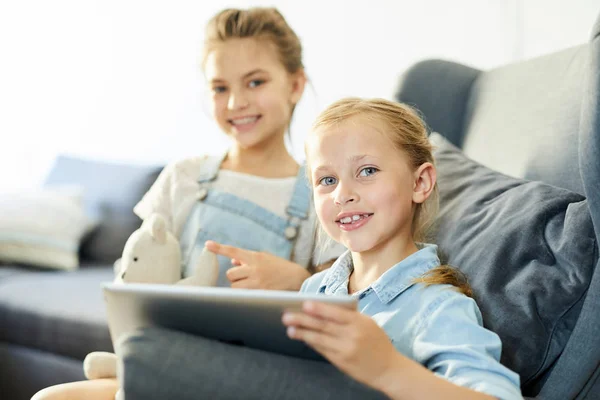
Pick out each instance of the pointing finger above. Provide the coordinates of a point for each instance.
(228, 251)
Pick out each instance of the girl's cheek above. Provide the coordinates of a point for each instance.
(325, 212)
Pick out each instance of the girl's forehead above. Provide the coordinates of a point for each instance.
(240, 55)
(343, 141)
(357, 128)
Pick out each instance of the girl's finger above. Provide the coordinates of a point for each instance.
(228, 251)
(331, 312)
(236, 262)
(235, 274)
(324, 343)
(244, 284)
(305, 321)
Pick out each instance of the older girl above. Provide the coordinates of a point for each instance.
(251, 202)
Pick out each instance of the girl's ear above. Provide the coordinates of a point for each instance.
(425, 178)
(298, 81)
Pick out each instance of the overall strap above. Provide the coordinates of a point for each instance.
(300, 202)
(210, 168)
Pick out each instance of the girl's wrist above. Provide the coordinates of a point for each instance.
(396, 380)
(388, 381)
(302, 275)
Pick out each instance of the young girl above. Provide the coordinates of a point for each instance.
(252, 203)
(417, 333)
(374, 185)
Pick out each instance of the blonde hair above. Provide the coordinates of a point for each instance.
(408, 132)
(263, 23)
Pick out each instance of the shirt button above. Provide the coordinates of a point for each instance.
(290, 232)
(202, 193)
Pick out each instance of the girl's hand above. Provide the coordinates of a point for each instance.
(348, 339)
(259, 270)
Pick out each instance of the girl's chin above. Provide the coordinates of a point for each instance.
(245, 141)
(252, 140)
(356, 247)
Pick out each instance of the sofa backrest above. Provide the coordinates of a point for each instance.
(540, 120)
(110, 192)
(510, 118)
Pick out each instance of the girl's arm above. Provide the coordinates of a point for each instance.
(360, 348)
(260, 270)
(417, 382)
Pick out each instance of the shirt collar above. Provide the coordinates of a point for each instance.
(389, 285)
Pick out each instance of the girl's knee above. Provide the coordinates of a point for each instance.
(100, 389)
(138, 342)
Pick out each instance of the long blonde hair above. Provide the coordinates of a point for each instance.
(408, 133)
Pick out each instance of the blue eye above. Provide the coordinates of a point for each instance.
(368, 171)
(219, 89)
(256, 82)
(327, 181)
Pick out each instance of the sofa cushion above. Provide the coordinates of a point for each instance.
(56, 312)
(43, 227)
(528, 249)
(111, 191)
(526, 111)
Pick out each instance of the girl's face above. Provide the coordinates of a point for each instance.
(252, 93)
(364, 188)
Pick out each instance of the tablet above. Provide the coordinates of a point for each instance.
(241, 317)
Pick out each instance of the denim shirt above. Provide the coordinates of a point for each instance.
(435, 325)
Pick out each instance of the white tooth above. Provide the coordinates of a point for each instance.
(246, 120)
(355, 217)
(346, 220)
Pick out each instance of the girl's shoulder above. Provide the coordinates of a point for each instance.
(444, 300)
(190, 166)
(190, 169)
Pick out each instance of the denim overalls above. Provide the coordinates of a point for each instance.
(231, 220)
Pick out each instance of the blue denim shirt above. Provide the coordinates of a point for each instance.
(434, 325)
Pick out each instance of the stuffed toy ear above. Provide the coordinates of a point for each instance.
(100, 365)
(158, 227)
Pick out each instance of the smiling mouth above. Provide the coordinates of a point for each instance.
(244, 121)
(353, 222)
(353, 219)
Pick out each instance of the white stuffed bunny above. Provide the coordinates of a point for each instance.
(151, 255)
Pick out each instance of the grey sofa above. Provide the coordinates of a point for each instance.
(525, 228)
(538, 120)
(50, 320)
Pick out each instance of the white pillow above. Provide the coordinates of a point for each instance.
(43, 227)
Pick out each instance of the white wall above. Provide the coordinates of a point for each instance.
(551, 25)
(118, 79)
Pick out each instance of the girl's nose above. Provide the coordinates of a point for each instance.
(345, 196)
(237, 101)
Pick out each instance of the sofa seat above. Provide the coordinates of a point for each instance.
(56, 312)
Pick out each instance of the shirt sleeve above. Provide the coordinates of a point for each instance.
(452, 343)
(158, 198)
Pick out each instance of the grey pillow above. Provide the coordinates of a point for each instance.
(111, 191)
(528, 249)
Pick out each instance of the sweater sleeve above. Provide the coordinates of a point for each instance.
(158, 198)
